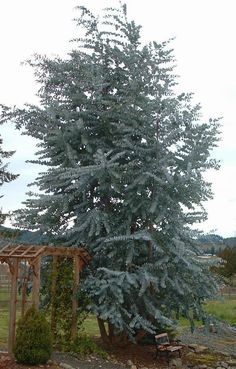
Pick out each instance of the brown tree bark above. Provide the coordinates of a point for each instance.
(142, 333)
(111, 332)
(103, 332)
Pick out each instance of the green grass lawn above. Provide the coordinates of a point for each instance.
(221, 309)
(225, 310)
(4, 316)
(3, 327)
(4, 295)
(90, 326)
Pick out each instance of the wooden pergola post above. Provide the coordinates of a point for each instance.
(24, 295)
(53, 293)
(74, 319)
(36, 282)
(14, 266)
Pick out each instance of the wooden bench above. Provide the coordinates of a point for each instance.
(163, 346)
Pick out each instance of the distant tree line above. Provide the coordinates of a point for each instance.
(214, 244)
(227, 269)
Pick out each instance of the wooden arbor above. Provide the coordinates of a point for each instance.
(14, 255)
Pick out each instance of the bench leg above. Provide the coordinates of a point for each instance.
(157, 353)
(167, 357)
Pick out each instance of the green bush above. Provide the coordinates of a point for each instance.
(33, 339)
(84, 346)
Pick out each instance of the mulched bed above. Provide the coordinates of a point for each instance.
(141, 356)
(6, 362)
(144, 355)
(118, 357)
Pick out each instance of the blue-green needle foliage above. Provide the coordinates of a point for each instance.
(125, 158)
(5, 175)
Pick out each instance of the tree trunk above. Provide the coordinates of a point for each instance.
(103, 332)
(53, 295)
(111, 332)
(121, 339)
(110, 338)
(142, 333)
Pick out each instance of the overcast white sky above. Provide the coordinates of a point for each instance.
(206, 58)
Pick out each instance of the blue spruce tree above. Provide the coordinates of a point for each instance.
(5, 175)
(125, 157)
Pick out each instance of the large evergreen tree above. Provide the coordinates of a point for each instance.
(5, 175)
(125, 159)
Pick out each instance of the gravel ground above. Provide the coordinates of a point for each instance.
(91, 363)
(224, 341)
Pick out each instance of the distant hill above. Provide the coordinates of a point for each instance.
(209, 243)
(22, 236)
(213, 244)
(211, 238)
(230, 241)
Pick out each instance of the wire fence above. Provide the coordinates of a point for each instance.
(228, 292)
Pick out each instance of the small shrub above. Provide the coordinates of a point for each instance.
(84, 346)
(33, 339)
